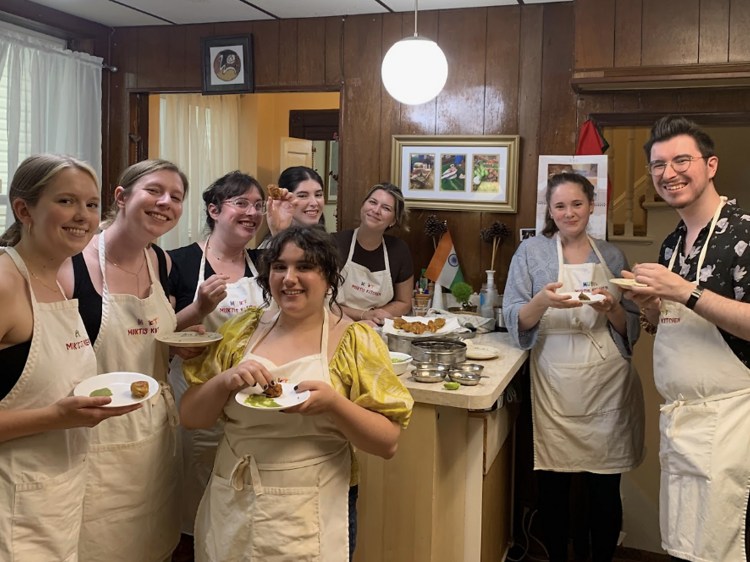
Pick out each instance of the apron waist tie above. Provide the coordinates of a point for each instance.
(172, 414)
(237, 478)
(580, 328)
(680, 401)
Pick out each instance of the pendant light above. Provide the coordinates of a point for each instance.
(415, 69)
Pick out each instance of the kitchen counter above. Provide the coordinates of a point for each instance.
(447, 494)
(500, 372)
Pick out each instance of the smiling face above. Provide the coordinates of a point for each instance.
(681, 189)
(311, 201)
(378, 212)
(570, 209)
(155, 203)
(297, 285)
(233, 224)
(67, 214)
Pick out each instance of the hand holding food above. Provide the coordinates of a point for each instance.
(323, 399)
(607, 305)
(275, 192)
(273, 390)
(85, 411)
(548, 298)
(247, 373)
(280, 208)
(661, 283)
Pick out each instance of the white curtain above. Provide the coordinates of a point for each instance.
(201, 135)
(50, 101)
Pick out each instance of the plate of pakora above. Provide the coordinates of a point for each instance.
(281, 395)
(125, 388)
(414, 326)
(584, 298)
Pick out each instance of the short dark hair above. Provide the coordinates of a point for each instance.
(553, 183)
(319, 248)
(227, 186)
(292, 177)
(672, 126)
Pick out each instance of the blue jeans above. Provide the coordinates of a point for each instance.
(353, 495)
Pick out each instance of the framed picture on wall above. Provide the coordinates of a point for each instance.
(468, 173)
(227, 65)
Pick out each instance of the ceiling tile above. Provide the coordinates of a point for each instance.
(319, 8)
(102, 11)
(199, 11)
(544, 1)
(408, 5)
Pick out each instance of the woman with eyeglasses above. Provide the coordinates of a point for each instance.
(212, 281)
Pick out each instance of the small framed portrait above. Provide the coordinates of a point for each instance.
(227, 65)
(527, 233)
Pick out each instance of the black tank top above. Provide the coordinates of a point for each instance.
(90, 302)
(13, 359)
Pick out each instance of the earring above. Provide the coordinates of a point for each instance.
(329, 292)
(30, 225)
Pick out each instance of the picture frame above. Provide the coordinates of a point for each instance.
(332, 175)
(593, 168)
(476, 172)
(227, 65)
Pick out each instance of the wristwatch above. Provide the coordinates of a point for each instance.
(694, 296)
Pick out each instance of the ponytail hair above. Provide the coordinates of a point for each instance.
(30, 181)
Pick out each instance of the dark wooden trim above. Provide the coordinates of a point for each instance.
(740, 118)
(314, 124)
(138, 128)
(661, 77)
(49, 17)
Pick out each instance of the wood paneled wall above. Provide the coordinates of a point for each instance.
(509, 73)
(628, 33)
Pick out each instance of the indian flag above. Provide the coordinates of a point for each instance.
(444, 268)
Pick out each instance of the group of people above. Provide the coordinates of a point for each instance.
(83, 481)
(587, 401)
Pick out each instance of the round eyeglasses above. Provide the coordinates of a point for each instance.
(679, 165)
(243, 205)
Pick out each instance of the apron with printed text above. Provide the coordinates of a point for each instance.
(704, 424)
(279, 489)
(43, 476)
(587, 401)
(131, 510)
(199, 445)
(363, 289)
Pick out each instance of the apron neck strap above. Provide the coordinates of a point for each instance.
(103, 262)
(202, 267)
(323, 337)
(702, 256)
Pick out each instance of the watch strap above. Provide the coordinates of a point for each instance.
(694, 296)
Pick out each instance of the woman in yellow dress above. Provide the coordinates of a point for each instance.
(280, 483)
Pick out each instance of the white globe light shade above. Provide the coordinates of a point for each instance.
(414, 70)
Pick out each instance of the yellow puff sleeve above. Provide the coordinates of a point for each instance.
(361, 369)
(226, 353)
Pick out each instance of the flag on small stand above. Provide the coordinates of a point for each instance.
(444, 268)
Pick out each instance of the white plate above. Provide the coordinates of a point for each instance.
(189, 339)
(593, 298)
(287, 399)
(626, 283)
(481, 352)
(119, 383)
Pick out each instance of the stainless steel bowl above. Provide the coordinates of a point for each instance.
(431, 366)
(470, 368)
(464, 378)
(428, 375)
(442, 352)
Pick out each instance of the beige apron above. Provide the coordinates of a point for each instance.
(587, 401)
(279, 489)
(131, 510)
(705, 434)
(199, 445)
(43, 476)
(363, 289)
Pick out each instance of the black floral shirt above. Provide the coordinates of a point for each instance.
(726, 265)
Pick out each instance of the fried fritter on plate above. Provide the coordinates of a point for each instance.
(273, 391)
(139, 389)
(418, 328)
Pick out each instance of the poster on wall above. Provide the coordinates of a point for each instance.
(593, 168)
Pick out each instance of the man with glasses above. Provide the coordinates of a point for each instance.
(696, 301)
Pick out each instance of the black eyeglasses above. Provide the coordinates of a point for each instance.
(679, 165)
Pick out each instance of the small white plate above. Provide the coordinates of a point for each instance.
(592, 298)
(626, 283)
(119, 383)
(289, 397)
(189, 339)
(481, 352)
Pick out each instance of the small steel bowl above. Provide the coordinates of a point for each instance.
(429, 375)
(464, 378)
(432, 366)
(470, 368)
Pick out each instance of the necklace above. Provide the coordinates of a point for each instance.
(234, 260)
(53, 289)
(137, 274)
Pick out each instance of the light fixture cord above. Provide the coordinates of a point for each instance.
(416, 8)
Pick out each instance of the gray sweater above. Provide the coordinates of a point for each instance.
(534, 265)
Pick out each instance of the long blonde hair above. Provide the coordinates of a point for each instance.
(133, 174)
(31, 179)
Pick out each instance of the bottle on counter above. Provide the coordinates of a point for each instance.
(487, 296)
